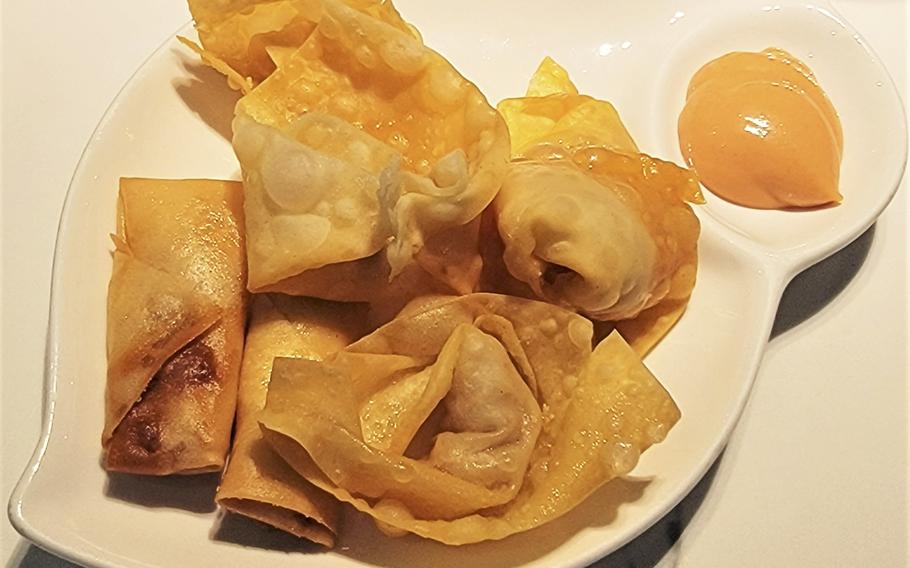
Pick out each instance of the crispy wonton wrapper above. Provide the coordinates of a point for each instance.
(364, 141)
(176, 312)
(246, 40)
(589, 223)
(237, 36)
(238, 32)
(470, 419)
(553, 111)
(258, 483)
(451, 257)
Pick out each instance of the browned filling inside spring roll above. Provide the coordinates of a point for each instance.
(257, 482)
(176, 316)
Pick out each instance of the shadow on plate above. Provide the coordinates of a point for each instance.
(34, 557)
(655, 546)
(372, 547)
(206, 93)
(646, 551)
(194, 493)
(814, 288)
(236, 529)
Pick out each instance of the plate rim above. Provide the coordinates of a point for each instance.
(52, 345)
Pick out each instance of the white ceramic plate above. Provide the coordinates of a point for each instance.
(171, 121)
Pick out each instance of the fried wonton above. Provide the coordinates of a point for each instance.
(468, 419)
(552, 110)
(586, 221)
(175, 322)
(312, 194)
(364, 139)
(237, 36)
(238, 32)
(257, 482)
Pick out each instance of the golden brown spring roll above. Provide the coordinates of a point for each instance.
(257, 482)
(176, 315)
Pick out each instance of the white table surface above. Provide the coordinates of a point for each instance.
(816, 473)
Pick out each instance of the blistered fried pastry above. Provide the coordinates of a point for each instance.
(238, 32)
(237, 35)
(175, 324)
(312, 195)
(364, 140)
(604, 239)
(468, 419)
(257, 482)
(588, 222)
(552, 111)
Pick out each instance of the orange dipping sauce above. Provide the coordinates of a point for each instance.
(760, 132)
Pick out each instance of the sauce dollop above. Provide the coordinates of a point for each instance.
(760, 132)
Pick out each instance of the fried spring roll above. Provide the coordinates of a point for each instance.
(175, 324)
(257, 482)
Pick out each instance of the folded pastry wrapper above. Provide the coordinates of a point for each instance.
(363, 141)
(176, 314)
(240, 35)
(469, 418)
(257, 483)
(588, 222)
